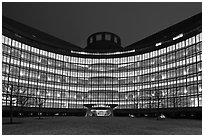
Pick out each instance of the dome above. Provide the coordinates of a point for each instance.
(103, 41)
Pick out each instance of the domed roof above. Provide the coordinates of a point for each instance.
(103, 41)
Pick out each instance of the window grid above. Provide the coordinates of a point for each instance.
(172, 73)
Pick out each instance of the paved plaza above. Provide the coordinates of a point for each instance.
(100, 126)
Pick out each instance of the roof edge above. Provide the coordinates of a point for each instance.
(36, 35)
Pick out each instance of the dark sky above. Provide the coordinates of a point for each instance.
(74, 22)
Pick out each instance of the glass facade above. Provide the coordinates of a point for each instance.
(166, 78)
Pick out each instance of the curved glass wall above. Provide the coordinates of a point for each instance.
(165, 78)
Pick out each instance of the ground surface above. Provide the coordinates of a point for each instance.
(100, 126)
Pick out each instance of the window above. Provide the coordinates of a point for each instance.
(3, 39)
(6, 49)
(15, 53)
(154, 53)
(28, 48)
(5, 68)
(177, 46)
(199, 47)
(199, 66)
(98, 37)
(119, 73)
(200, 36)
(131, 59)
(190, 41)
(193, 40)
(182, 44)
(6, 40)
(107, 37)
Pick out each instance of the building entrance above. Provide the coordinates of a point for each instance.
(99, 110)
(100, 113)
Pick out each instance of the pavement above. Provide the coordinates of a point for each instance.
(68, 125)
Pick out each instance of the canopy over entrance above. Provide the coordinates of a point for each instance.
(100, 109)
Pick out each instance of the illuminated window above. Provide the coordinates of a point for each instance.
(9, 41)
(131, 73)
(187, 42)
(190, 41)
(168, 49)
(28, 47)
(3, 39)
(200, 36)
(193, 40)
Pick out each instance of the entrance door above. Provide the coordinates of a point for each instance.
(101, 113)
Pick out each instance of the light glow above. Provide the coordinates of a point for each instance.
(158, 44)
(177, 37)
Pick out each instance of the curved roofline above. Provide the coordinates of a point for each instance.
(168, 33)
(47, 42)
(35, 34)
(103, 32)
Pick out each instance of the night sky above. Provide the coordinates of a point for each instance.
(74, 22)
